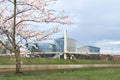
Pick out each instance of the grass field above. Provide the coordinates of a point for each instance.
(64, 74)
(7, 60)
(68, 74)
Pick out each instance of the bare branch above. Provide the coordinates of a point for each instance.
(8, 35)
(11, 1)
(25, 10)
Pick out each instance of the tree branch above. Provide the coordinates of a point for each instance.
(37, 21)
(11, 1)
(16, 14)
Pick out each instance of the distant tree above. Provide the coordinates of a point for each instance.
(22, 20)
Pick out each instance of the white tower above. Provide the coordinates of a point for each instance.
(65, 43)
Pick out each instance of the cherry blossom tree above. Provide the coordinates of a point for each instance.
(23, 20)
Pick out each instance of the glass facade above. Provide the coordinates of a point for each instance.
(57, 47)
(60, 44)
(42, 47)
(47, 47)
(71, 44)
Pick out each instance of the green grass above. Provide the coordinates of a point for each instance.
(66, 74)
(62, 61)
(7, 60)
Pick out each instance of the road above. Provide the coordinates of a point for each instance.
(43, 67)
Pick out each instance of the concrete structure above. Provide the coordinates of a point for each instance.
(88, 49)
(65, 44)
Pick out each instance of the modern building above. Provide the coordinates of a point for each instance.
(88, 49)
(88, 52)
(71, 44)
(42, 47)
(47, 47)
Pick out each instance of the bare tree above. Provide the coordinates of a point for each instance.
(22, 20)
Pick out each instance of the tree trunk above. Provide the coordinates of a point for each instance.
(18, 62)
(16, 48)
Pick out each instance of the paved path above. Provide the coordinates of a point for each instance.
(42, 67)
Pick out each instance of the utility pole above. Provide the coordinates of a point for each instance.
(65, 43)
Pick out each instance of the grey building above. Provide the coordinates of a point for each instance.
(88, 49)
(71, 44)
(4, 51)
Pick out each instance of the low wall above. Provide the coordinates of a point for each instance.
(43, 67)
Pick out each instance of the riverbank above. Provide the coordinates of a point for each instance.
(5, 68)
(65, 74)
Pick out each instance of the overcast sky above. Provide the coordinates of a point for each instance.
(97, 22)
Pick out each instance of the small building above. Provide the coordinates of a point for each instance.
(89, 49)
(89, 52)
(71, 44)
(116, 57)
